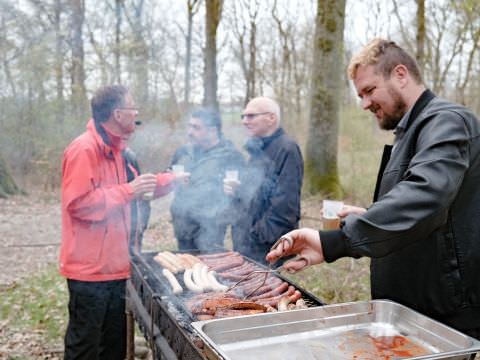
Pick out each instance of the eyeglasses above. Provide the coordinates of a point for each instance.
(128, 108)
(253, 115)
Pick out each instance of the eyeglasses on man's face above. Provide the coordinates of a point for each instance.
(252, 115)
(128, 108)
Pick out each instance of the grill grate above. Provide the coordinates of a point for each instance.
(166, 321)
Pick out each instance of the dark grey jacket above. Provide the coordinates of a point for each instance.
(268, 199)
(200, 209)
(423, 230)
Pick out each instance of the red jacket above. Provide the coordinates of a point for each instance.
(95, 209)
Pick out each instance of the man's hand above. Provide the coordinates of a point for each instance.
(230, 186)
(142, 184)
(303, 242)
(349, 209)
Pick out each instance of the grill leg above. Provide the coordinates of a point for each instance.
(130, 328)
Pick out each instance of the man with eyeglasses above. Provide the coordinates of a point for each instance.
(96, 225)
(267, 197)
(200, 210)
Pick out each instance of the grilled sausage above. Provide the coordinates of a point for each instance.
(273, 301)
(176, 287)
(277, 291)
(159, 258)
(177, 262)
(232, 262)
(214, 282)
(187, 279)
(197, 277)
(217, 255)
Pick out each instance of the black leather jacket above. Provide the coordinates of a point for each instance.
(268, 200)
(423, 230)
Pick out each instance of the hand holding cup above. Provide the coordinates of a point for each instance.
(181, 176)
(230, 182)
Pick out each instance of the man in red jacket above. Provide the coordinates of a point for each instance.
(96, 221)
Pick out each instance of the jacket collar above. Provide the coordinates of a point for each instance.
(259, 144)
(419, 105)
(101, 138)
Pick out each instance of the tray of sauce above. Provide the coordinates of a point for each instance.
(367, 330)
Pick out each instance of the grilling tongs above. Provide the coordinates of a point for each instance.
(287, 239)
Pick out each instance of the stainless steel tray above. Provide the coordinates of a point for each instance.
(377, 329)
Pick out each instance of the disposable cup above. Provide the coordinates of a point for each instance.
(330, 219)
(178, 169)
(231, 175)
(148, 196)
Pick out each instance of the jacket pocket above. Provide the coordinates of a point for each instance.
(89, 240)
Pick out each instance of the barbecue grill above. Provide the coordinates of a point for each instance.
(164, 318)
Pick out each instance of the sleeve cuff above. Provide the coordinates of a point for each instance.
(334, 245)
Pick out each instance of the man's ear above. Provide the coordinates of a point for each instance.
(273, 119)
(401, 74)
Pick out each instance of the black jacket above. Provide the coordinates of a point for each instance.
(423, 230)
(268, 199)
(200, 209)
(140, 209)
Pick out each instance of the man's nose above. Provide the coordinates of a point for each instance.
(366, 102)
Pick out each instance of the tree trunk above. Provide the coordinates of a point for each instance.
(118, 28)
(139, 57)
(7, 184)
(79, 96)
(60, 111)
(192, 8)
(321, 170)
(421, 33)
(213, 16)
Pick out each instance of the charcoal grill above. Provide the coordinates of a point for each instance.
(164, 318)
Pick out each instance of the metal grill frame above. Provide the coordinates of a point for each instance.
(168, 340)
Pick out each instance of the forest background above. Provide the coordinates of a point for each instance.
(177, 55)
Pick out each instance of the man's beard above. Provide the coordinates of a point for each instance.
(391, 120)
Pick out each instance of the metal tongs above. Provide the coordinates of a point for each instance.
(270, 270)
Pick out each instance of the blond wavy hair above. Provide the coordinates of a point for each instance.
(384, 55)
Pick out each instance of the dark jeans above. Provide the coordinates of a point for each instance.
(97, 322)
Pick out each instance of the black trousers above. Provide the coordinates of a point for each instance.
(97, 321)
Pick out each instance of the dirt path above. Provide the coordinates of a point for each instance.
(30, 233)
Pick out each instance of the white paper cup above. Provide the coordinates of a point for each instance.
(148, 196)
(231, 175)
(330, 219)
(178, 169)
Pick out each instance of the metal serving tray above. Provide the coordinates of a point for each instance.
(377, 329)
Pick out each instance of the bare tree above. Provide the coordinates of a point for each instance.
(321, 170)
(213, 16)
(421, 33)
(139, 51)
(192, 9)
(243, 20)
(468, 14)
(79, 97)
(118, 28)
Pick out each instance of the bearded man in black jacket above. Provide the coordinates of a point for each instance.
(422, 231)
(267, 197)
